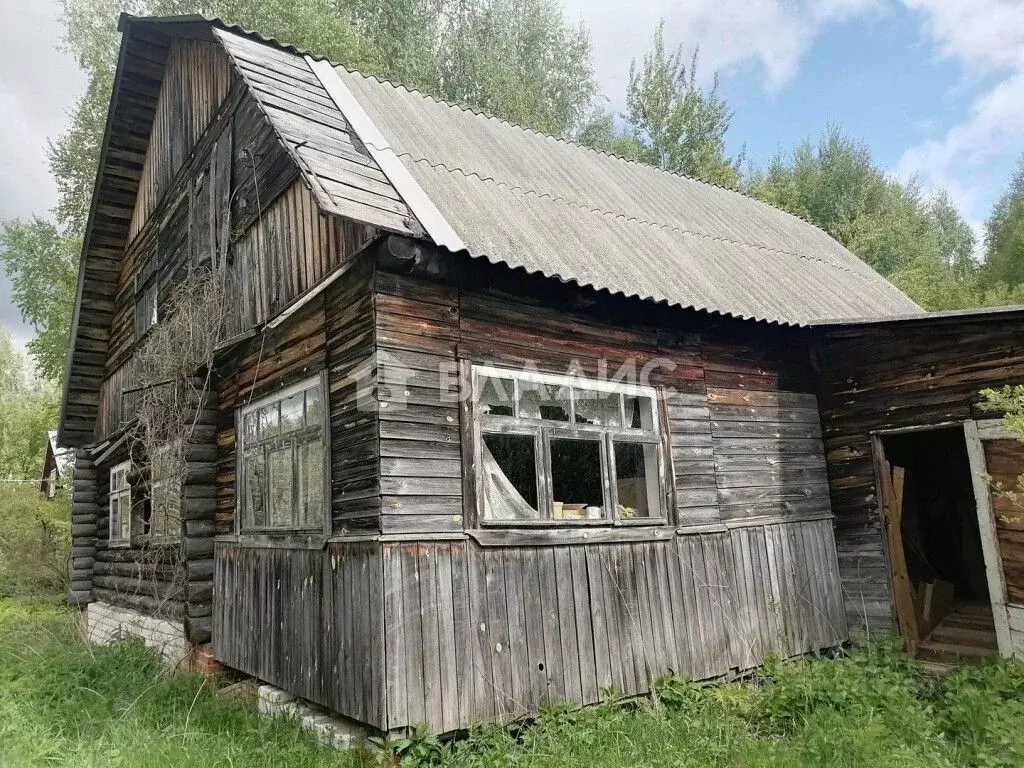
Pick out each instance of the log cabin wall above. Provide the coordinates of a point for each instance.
(404, 617)
(495, 624)
(893, 376)
(308, 616)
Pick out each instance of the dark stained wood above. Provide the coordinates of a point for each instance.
(894, 376)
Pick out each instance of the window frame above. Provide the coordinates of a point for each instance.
(320, 382)
(546, 430)
(154, 485)
(124, 468)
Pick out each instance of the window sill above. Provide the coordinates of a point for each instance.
(282, 540)
(531, 537)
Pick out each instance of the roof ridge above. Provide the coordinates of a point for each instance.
(294, 49)
(622, 215)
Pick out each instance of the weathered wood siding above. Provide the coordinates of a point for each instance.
(476, 633)
(899, 375)
(1004, 462)
(196, 79)
(745, 436)
(451, 632)
(309, 621)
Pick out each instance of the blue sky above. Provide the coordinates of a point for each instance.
(935, 87)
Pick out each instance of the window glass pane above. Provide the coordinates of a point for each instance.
(314, 408)
(543, 401)
(639, 412)
(311, 479)
(576, 488)
(292, 413)
(598, 408)
(126, 516)
(636, 480)
(255, 485)
(115, 524)
(496, 396)
(280, 488)
(510, 477)
(269, 424)
(251, 426)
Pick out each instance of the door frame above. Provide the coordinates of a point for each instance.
(974, 431)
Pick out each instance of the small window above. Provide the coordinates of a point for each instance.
(564, 450)
(120, 504)
(282, 461)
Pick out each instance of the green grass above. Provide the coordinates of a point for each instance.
(63, 703)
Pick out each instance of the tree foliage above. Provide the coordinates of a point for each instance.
(671, 121)
(28, 409)
(920, 243)
(1004, 233)
(43, 266)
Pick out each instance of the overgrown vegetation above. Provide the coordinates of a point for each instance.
(35, 536)
(63, 703)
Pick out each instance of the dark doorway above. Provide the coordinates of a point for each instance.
(931, 495)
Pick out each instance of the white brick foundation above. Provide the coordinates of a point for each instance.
(106, 624)
(327, 728)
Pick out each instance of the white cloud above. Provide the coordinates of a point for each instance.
(987, 37)
(768, 36)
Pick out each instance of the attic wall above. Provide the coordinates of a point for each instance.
(196, 80)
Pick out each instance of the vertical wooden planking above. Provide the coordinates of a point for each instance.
(533, 622)
(565, 609)
(602, 622)
(447, 629)
(416, 710)
(583, 612)
(426, 557)
(499, 634)
(483, 689)
(519, 654)
(464, 633)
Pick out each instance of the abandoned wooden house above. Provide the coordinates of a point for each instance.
(492, 420)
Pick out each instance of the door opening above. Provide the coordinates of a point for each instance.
(935, 554)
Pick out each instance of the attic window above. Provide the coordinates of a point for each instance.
(561, 450)
(120, 501)
(282, 460)
(146, 286)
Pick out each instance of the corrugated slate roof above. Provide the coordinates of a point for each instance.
(548, 206)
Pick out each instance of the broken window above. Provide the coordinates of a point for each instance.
(282, 454)
(565, 450)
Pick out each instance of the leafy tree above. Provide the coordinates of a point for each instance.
(43, 266)
(671, 121)
(517, 59)
(1004, 233)
(922, 244)
(28, 408)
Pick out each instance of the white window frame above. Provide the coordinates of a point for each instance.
(242, 526)
(119, 494)
(546, 430)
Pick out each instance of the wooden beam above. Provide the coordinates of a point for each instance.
(989, 538)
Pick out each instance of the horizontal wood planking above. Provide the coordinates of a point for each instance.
(891, 377)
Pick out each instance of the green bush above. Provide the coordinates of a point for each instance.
(983, 709)
(35, 536)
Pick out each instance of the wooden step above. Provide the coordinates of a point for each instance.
(953, 635)
(951, 653)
